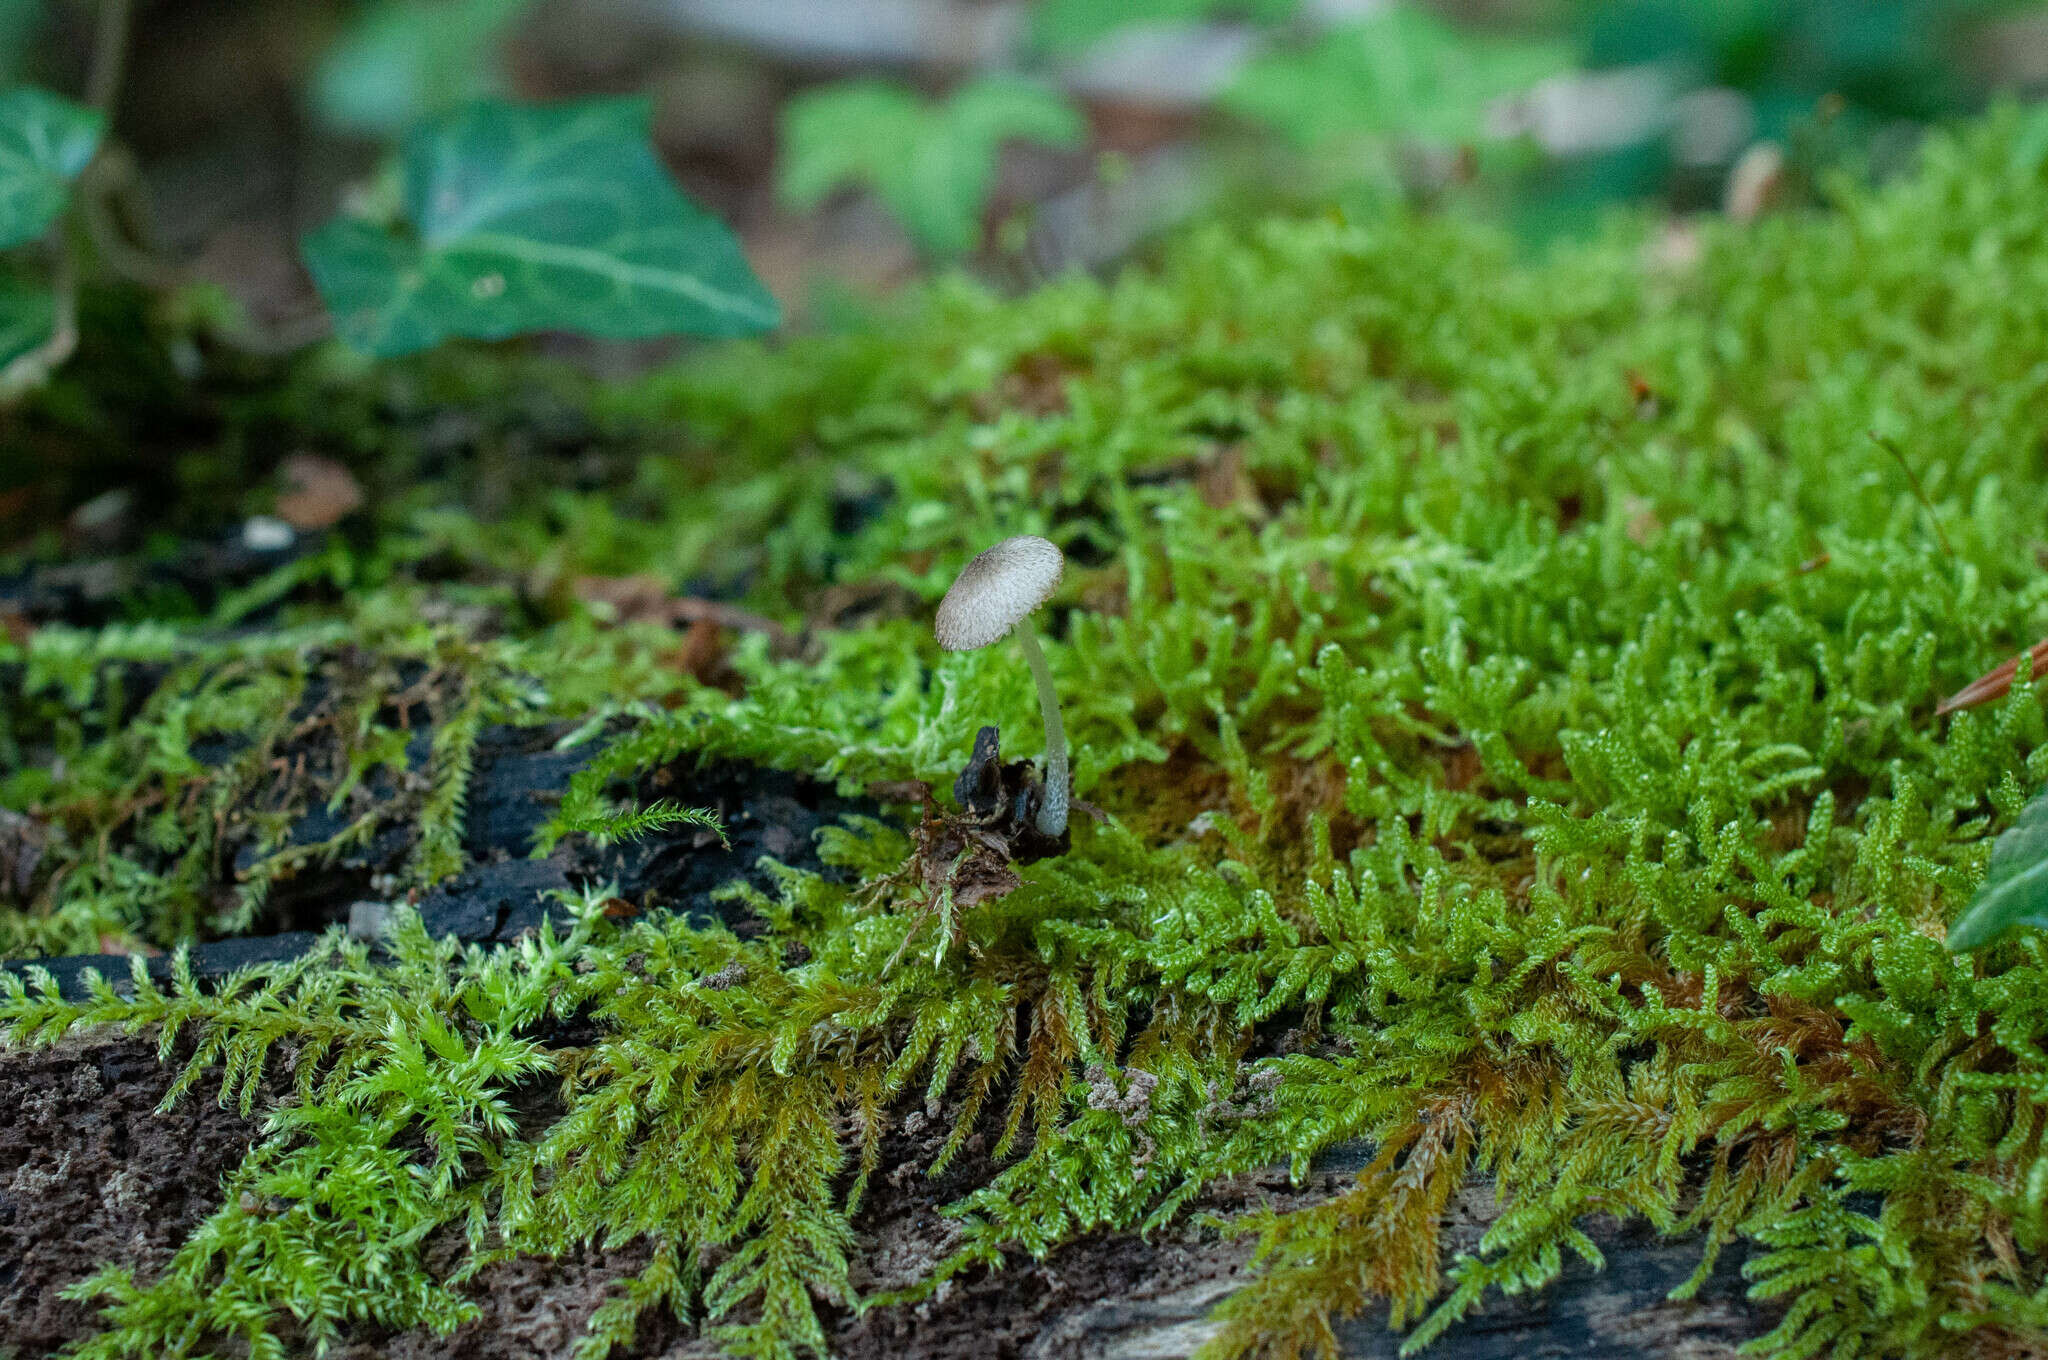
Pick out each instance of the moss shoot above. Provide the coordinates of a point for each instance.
(1511, 684)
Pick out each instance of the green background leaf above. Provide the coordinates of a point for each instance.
(1071, 25)
(27, 315)
(45, 142)
(521, 219)
(932, 163)
(21, 24)
(2015, 888)
(401, 62)
(1401, 73)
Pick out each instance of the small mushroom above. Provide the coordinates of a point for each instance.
(995, 593)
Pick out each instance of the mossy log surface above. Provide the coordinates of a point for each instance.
(1511, 688)
(90, 1170)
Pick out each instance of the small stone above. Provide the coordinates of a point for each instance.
(266, 533)
(368, 920)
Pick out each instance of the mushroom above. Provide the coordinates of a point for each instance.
(995, 593)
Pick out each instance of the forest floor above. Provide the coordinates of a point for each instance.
(1516, 695)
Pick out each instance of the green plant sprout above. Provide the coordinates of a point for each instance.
(932, 163)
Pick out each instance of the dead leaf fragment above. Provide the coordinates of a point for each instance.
(702, 655)
(319, 492)
(1756, 183)
(1994, 683)
(1643, 524)
(1649, 405)
(645, 598)
(1224, 483)
(899, 791)
(852, 605)
(22, 839)
(1678, 249)
(960, 860)
(725, 978)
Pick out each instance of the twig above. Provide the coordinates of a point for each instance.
(29, 370)
(1755, 589)
(1933, 517)
(113, 173)
(1995, 683)
(109, 174)
(689, 609)
(102, 84)
(109, 56)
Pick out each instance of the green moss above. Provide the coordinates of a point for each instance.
(1516, 680)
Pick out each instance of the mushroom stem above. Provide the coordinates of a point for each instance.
(1052, 808)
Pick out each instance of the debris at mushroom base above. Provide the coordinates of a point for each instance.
(961, 859)
(1004, 798)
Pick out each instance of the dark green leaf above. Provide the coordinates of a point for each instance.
(27, 315)
(932, 163)
(1402, 73)
(403, 61)
(45, 142)
(2015, 889)
(520, 219)
(21, 24)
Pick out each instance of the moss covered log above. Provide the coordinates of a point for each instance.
(1509, 684)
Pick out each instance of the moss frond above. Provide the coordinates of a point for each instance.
(1537, 783)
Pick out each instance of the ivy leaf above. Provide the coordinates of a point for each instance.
(1401, 73)
(2015, 888)
(45, 142)
(27, 316)
(932, 163)
(516, 219)
(402, 61)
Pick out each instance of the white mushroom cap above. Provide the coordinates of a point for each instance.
(997, 591)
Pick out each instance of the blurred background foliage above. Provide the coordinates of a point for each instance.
(857, 146)
(863, 140)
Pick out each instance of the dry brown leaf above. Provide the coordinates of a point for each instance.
(645, 598)
(319, 492)
(969, 857)
(1993, 684)
(633, 599)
